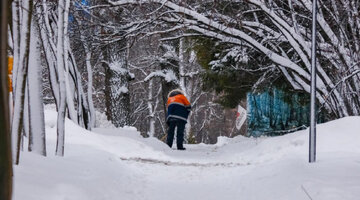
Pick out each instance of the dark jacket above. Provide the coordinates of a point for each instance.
(178, 107)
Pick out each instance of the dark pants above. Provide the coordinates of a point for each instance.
(180, 124)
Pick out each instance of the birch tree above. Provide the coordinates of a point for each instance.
(37, 141)
(21, 49)
(64, 76)
(63, 7)
(89, 84)
(151, 107)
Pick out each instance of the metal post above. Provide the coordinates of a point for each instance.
(312, 135)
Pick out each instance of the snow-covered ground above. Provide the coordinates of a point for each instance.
(118, 164)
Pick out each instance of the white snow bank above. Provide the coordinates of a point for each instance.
(113, 164)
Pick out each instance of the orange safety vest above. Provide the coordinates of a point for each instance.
(180, 98)
(178, 107)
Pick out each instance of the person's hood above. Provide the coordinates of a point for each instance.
(175, 92)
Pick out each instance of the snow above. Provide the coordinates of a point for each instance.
(168, 75)
(101, 120)
(117, 66)
(122, 90)
(117, 163)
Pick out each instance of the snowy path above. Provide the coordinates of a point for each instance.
(117, 164)
(171, 163)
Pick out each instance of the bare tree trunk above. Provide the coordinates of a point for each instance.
(5, 148)
(184, 84)
(37, 142)
(82, 103)
(20, 78)
(61, 70)
(117, 96)
(150, 102)
(89, 89)
(26, 125)
(182, 66)
(16, 39)
(49, 49)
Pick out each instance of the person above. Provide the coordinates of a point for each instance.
(178, 109)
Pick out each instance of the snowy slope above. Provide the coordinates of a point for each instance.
(113, 164)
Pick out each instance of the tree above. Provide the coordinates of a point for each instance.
(117, 87)
(61, 55)
(105, 33)
(5, 143)
(105, 41)
(37, 141)
(64, 75)
(21, 57)
(280, 32)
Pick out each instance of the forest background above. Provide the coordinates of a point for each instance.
(122, 58)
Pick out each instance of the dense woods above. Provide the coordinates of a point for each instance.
(122, 57)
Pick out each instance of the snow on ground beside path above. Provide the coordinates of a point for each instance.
(116, 164)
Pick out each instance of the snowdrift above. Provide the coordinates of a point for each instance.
(111, 163)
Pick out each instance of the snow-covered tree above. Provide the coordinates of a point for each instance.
(280, 31)
(61, 51)
(106, 32)
(64, 76)
(21, 37)
(35, 99)
(118, 97)
(157, 63)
